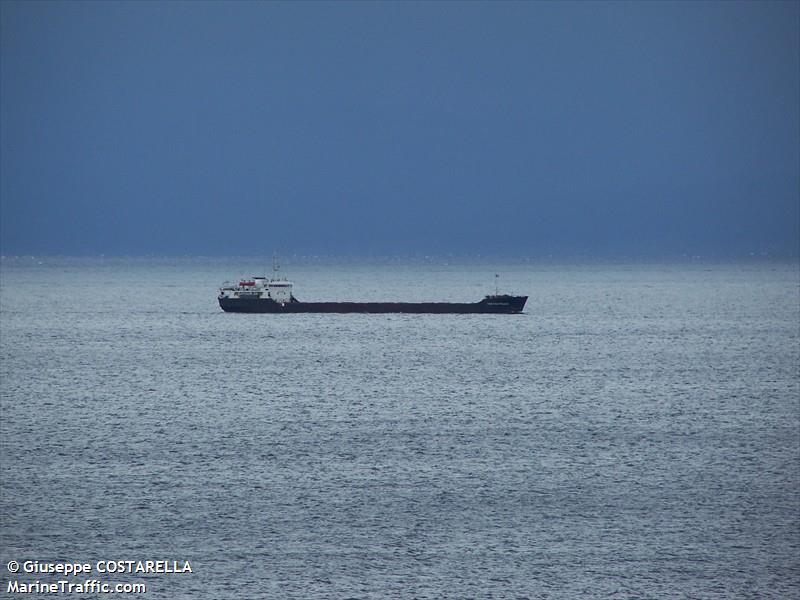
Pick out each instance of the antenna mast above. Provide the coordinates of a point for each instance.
(496, 284)
(275, 266)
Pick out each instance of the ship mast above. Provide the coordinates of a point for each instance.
(275, 266)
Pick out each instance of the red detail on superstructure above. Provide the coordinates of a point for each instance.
(246, 283)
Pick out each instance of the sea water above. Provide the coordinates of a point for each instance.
(634, 434)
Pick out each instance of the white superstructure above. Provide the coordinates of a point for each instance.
(279, 290)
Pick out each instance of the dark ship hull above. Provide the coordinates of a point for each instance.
(489, 305)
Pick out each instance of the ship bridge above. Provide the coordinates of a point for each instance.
(279, 290)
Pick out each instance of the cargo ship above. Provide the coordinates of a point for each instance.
(262, 295)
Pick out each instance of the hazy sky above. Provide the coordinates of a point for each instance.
(400, 128)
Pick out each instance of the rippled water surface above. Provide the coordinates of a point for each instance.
(636, 433)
